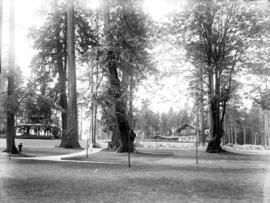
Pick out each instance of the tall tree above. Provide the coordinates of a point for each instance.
(61, 58)
(126, 43)
(70, 138)
(218, 37)
(50, 42)
(51, 57)
(11, 147)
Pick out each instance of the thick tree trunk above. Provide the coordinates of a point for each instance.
(11, 147)
(214, 144)
(120, 111)
(70, 139)
(63, 96)
(63, 104)
(213, 118)
(124, 88)
(115, 143)
(61, 69)
(10, 131)
(130, 110)
(115, 90)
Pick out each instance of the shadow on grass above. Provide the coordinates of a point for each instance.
(115, 184)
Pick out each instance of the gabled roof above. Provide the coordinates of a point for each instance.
(184, 126)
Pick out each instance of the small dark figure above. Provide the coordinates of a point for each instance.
(20, 148)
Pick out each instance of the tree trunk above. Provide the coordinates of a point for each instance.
(210, 113)
(120, 111)
(124, 87)
(226, 127)
(70, 139)
(63, 98)
(97, 80)
(95, 103)
(95, 123)
(244, 132)
(10, 131)
(202, 108)
(130, 110)
(122, 124)
(230, 133)
(203, 136)
(266, 131)
(61, 69)
(214, 144)
(92, 107)
(114, 144)
(235, 134)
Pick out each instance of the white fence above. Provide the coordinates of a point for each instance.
(159, 144)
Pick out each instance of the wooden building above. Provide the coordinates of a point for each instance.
(187, 133)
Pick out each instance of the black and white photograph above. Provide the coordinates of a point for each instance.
(134, 101)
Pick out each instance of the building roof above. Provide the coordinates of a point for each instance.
(165, 137)
(184, 126)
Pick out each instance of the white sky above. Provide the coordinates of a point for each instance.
(26, 16)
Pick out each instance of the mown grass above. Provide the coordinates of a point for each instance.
(35, 181)
(38, 147)
(154, 176)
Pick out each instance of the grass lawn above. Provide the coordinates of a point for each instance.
(36, 181)
(177, 158)
(41, 147)
(154, 176)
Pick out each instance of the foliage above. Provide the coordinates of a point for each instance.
(126, 60)
(128, 37)
(165, 124)
(48, 49)
(216, 39)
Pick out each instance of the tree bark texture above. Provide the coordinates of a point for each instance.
(95, 103)
(130, 110)
(62, 87)
(266, 127)
(70, 139)
(61, 69)
(92, 107)
(203, 138)
(215, 114)
(10, 131)
(120, 111)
